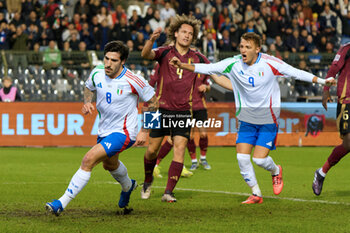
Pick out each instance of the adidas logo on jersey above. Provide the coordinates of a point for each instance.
(108, 144)
(99, 85)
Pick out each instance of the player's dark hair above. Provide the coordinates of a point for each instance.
(177, 23)
(252, 36)
(119, 47)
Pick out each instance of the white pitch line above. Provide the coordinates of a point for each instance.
(193, 190)
(271, 197)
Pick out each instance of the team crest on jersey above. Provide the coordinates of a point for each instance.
(337, 57)
(261, 72)
(119, 90)
(99, 85)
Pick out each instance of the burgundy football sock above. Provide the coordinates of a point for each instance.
(191, 146)
(164, 150)
(149, 167)
(174, 174)
(337, 154)
(203, 145)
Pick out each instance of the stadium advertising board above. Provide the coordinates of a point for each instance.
(63, 124)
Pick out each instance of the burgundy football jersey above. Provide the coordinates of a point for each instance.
(176, 85)
(198, 99)
(154, 77)
(341, 66)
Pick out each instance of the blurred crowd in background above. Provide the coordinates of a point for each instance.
(285, 25)
(303, 33)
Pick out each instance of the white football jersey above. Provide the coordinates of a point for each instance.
(256, 89)
(117, 100)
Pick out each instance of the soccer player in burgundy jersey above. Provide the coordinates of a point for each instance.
(166, 147)
(340, 66)
(175, 97)
(199, 111)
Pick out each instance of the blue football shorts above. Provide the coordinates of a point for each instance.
(115, 143)
(258, 135)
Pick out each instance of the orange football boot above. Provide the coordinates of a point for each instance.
(253, 199)
(277, 182)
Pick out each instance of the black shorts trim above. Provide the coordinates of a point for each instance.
(343, 118)
(200, 115)
(169, 119)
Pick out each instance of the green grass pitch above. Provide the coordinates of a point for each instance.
(209, 201)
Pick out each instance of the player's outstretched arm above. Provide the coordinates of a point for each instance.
(147, 51)
(152, 105)
(88, 107)
(327, 82)
(222, 81)
(290, 71)
(178, 64)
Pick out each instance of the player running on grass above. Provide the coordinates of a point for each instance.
(257, 97)
(341, 66)
(117, 90)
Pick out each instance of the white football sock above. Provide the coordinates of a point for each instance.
(203, 157)
(77, 183)
(321, 172)
(268, 164)
(121, 175)
(256, 190)
(194, 160)
(247, 170)
(65, 199)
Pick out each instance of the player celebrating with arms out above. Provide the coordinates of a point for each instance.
(117, 90)
(175, 97)
(341, 66)
(257, 97)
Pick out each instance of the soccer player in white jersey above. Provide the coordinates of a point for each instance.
(257, 97)
(117, 90)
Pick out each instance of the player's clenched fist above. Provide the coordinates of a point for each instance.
(156, 34)
(330, 82)
(88, 108)
(175, 62)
